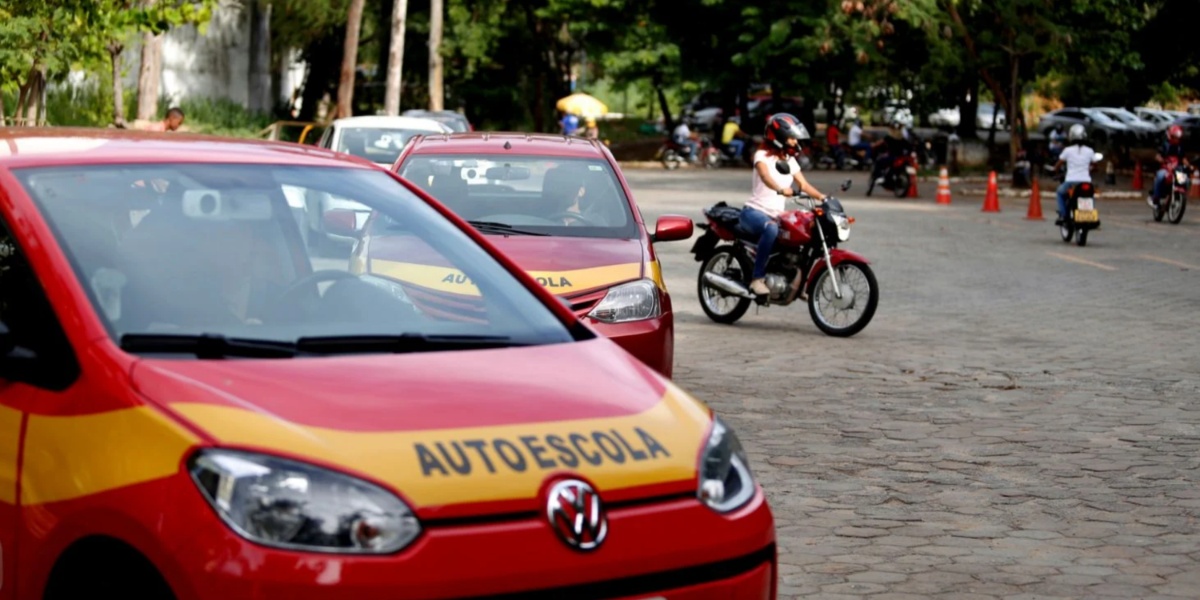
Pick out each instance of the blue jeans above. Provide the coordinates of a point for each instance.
(736, 146)
(864, 146)
(757, 222)
(1160, 184)
(1062, 197)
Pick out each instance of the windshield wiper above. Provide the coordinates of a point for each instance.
(505, 228)
(207, 345)
(407, 342)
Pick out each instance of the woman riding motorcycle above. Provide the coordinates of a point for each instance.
(1173, 147)
(760, 215)
(1078, 158)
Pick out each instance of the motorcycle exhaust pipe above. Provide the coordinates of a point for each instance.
(727, 285)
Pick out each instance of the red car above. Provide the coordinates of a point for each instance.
(561, 209)
(194, 406)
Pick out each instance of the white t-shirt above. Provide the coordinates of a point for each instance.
(682, 132)
(1079, 162)
(764, 198)
(855, 135)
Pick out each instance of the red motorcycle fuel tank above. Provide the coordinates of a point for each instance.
(795, 228)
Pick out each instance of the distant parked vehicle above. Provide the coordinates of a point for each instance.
(1101, 128)
(984, 115)
(455, 120)
(1144, 132)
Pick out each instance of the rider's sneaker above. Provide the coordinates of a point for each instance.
(759, 287)
(1150, 201)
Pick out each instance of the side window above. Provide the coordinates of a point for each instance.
(325, 137)
(34, 349)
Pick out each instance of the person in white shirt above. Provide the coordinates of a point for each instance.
(683, 136)
(856, 139)
(1078, 159)
(769, 187)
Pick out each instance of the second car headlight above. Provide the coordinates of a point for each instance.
(292, 505)
(633, 301)
(726, 483)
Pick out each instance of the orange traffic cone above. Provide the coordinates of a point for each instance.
(991, 202)
(1137, 175)
(1194, 189)
(943, 189)
(912, 188)
(1035, 202)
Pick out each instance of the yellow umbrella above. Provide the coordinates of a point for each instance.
(582, 105)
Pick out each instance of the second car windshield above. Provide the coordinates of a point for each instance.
(533, 194)
(218, 251)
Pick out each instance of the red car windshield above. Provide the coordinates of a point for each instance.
(217, 250)
(542, 195)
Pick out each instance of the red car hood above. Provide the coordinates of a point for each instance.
(454, 433)
(566, 266)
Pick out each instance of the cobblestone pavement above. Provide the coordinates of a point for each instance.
(1020, 420)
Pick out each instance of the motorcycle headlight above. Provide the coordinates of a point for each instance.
(1180, 177)
(726, 483)
(843, 226)
(633, 301)
(292, 505)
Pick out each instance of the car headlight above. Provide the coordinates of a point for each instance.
(633, 301)
(287, 504)
(843, 226)
(726, 483)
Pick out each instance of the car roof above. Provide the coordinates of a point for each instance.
(390, 122)
(500, 143)
(45, 146)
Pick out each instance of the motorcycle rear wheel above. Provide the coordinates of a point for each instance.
(1176, 208)
(1067, 232)
(671, 160)
(823, 304)
(1081, 239)
(718, 305)
(902, 187)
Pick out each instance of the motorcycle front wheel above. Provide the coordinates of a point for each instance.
(1081, 239)
(721, 306)
(849, 314)
(671, 160)
(1176, 208)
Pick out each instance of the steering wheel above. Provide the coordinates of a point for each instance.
(566, 214)
(285, 299)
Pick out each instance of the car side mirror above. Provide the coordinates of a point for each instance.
(846, 186)
(340, 221)
(670, 228)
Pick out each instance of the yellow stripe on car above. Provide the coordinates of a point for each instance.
(446, 279)
(10, 444)
(480, 464)
(75, 456)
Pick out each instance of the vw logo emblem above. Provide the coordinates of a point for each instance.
(576, 514)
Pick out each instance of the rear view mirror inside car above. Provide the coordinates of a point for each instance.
(507, 173)
(216, 206)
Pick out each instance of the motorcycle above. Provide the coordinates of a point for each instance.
(1082, 216)
(899, 176)
(672, 155)
(713, 155)
(851, 159)
(841, 299)
(1181, 179)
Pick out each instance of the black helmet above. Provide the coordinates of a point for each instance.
(782, 126)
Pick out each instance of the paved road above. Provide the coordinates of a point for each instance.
(1020, 420)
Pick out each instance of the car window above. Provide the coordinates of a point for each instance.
(376, 144)
(536, 194)
(194, 249)
(34, 333)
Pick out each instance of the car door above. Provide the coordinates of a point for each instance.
(35, 361)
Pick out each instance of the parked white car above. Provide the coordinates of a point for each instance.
(378, 139)
(946, 117)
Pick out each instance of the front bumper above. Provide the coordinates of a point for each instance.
(675, 549)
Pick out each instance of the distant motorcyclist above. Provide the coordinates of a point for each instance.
(856, 139)
(1078, 158)
(684, 138)
(893, 145)
(733, 138)
(1171, 148)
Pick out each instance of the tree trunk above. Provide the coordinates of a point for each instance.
(345, 94)
(436, 10)
(668, 120)
(149, 76)
(118, 90)
(1015, 131)
(539, 102)
(395, 61)
(260, 98)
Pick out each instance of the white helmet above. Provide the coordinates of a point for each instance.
(1077, 133)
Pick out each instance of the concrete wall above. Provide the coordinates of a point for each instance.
(215, 65)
